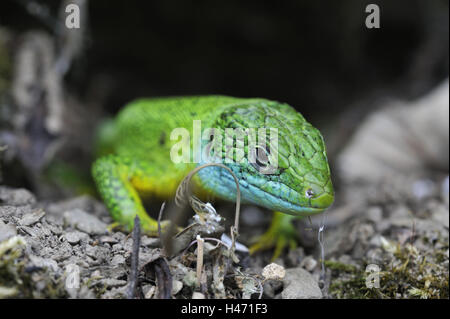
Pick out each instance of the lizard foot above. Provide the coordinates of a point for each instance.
(280, 234)
(151, 229)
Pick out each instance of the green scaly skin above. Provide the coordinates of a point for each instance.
(139, 163)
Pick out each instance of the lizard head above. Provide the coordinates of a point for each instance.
(286, 170)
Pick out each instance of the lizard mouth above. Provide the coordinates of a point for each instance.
(316, 205)
(294, 208)
(322, 201)
(287, 200)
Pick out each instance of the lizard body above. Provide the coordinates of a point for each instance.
(139, 164)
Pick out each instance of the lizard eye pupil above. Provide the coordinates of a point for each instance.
(309, 193)
(261, 158)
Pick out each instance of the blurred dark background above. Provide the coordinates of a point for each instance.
(316, 55)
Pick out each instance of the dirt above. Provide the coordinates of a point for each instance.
(66, 250)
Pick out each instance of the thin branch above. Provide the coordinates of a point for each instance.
(200, 243)
(183, 192)
(133, 279)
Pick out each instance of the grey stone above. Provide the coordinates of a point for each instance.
(300, 284)
(108, 239)
(176, 286)
(117, 260)
(63, 251)
(150, 242)
(44, 262)
(32, 218)
(91, 251)
(16, 197)
(270, 288)
(374, 214)
(75, 237)
(99, 253)
(7, 231)
(85, 203)
(148, 291)
(84, 222)
(309, 263)
(46, 231)
(376, 241)
(13, 213)
(74, 260)
(55, 229)
(33, 232)
(198, 295)
(117, 247)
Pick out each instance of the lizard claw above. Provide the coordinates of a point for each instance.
(152, 229)
(280, 234)
(110, 228)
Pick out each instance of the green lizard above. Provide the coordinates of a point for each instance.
(140, 165)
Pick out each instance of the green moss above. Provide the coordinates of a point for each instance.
(335, 265)
(18, 281)
(408, 274)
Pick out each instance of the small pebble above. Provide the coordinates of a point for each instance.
(117, 247)
(149, 291)
(375, 214)
(309, 263)
(176, 286)
(91, 251)
(16, 197)
(6, 231)
(150, 242)
(198, 295)
(300, 284)
(32, 218)
(273, 272)
(118, 260)
(85, 222)
(108, 239)
(74, 237)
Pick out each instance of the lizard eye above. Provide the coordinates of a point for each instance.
(309, 193)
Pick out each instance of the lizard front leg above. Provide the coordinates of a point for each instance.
(113, 175)
(281, 233)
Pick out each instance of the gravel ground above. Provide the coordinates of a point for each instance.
(386, 236)
(401, 232)
(47, 248)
